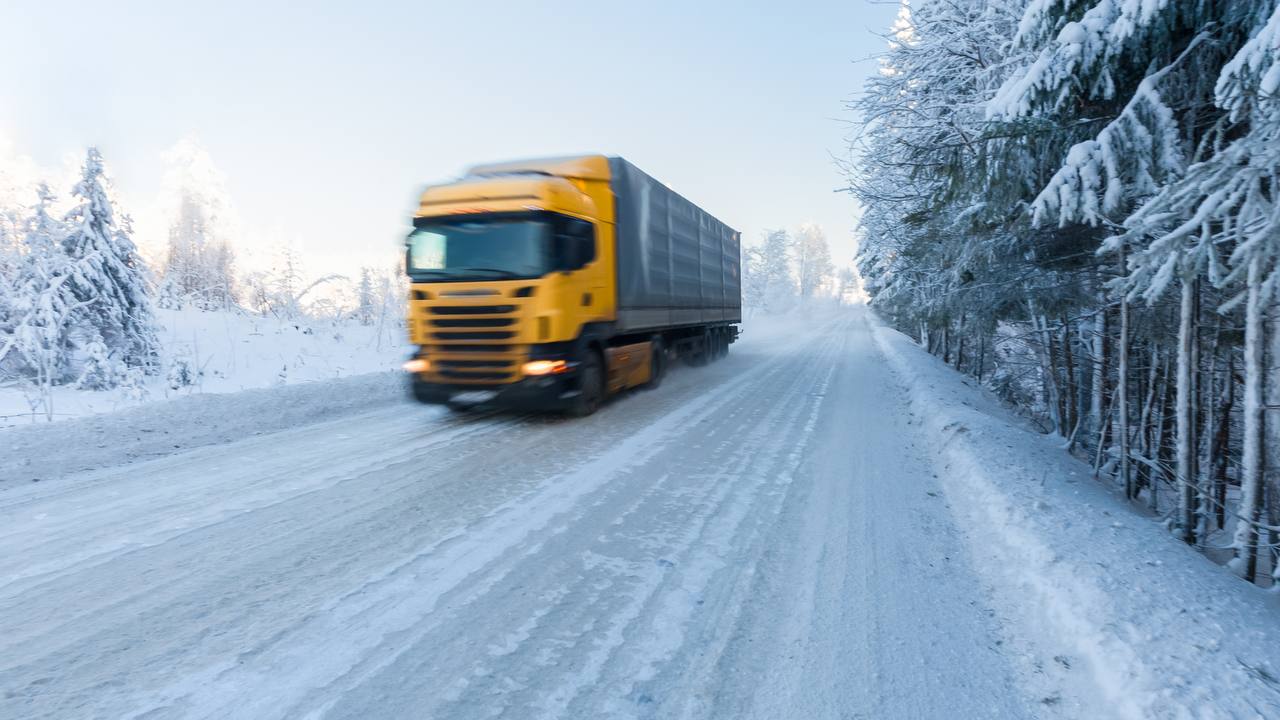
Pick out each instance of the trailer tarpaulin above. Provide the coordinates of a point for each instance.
(677, 265)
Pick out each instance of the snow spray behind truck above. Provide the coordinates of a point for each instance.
(550, 284)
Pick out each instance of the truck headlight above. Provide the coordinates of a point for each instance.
(545, 367)
(417, 365)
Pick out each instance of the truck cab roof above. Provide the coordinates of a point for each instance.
(579, 167)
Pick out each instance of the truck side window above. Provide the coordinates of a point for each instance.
(575, 244)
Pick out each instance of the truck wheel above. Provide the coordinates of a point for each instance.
(591, 393)
(701, 353)
(657, 366)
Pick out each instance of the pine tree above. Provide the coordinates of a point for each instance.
(366, 303)
(42, 305)
(109, 280)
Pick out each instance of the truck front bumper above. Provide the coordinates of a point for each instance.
(547, 393)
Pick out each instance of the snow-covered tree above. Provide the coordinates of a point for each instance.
(847, 286)
(1039, 176)
(1221, 218)
(775, 269)
(109, 280)
(41, 305)
(813, 259)
(754, 282)
(366, 302)
(199, 266)
(286, 291)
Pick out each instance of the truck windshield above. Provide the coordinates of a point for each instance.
(480, 248)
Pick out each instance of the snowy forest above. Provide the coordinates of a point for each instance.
(83, 307)
(1075, 202)
(787, 270)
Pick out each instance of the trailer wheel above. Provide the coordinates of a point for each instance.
(701, 352)
(657, 365)
(591, 393)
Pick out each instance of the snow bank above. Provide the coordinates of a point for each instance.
(1137, 625)
(229, 352)
(44, 452)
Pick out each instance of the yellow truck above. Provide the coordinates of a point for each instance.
(551, 284)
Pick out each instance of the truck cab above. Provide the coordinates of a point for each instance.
(508, 268)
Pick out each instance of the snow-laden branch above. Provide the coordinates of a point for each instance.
(1081, 47)
(1254, 71)
(1130, 156)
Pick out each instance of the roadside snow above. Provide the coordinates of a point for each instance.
(229, 352)
(1140, 624)
(242, 392)
(41, 452)
(234, 351)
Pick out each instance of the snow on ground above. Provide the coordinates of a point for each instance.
(232, 351)
(827, 523)
(1143, 623)
(44, 451)
(111, 432)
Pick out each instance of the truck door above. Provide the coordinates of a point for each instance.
(577, 256)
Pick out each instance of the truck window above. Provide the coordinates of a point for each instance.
(479, 248)
(575, 243)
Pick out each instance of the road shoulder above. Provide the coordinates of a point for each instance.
(1128, 621)
(45, 452)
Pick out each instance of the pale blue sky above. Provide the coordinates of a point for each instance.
(328, 118)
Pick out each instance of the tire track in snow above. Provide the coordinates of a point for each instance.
(717, 551)
(319, 651)
(635, 581)
(162, 523)
(692, 691)
(657, 604)
(565, 539)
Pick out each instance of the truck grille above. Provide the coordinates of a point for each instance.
(470, 343)
(473, 335)
(473, 310)
(475, 322)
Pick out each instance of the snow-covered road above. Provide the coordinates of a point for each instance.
(762, 538)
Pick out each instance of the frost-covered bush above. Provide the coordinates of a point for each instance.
(181, 372)
(98, 369)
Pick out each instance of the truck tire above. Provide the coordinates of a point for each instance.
(700, 354)
(591, 392)
(657, 366)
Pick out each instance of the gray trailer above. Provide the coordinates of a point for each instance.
(678, 266)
